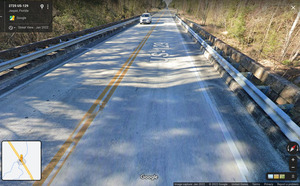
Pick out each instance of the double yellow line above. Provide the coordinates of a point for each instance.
(91, 113)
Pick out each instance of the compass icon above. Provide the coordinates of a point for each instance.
(292, 147)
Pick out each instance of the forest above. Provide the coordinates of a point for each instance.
(74, 15)
(266, 30)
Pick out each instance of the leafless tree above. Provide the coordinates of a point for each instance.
(289, 35)
(268, 29)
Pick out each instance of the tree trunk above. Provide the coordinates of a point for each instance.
(199, 5)
(268, 29)
(205, 12)
(295, 53)
(287, 42)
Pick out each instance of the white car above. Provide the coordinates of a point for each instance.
(145, 18)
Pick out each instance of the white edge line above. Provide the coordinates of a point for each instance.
(40, 75)
(287, 126)
(237, 157)
(52, 69)
(48, 71)
(62, 45)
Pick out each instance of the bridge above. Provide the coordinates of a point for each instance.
(143, 106)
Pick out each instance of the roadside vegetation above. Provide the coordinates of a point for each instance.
(266, 30)
(74, 15)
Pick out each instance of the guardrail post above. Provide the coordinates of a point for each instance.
(286, 107)
(289, 128)
(264, 89)
(248, 75)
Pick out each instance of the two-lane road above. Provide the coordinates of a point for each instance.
(144, 104)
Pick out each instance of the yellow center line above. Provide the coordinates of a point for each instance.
(69, 141)
(17, 154)
(90, 116)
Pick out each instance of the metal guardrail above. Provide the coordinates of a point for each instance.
(290, 129)
(26, 58)
(31, 47)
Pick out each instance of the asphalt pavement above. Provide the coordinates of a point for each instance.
(144, 107)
